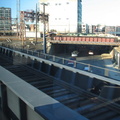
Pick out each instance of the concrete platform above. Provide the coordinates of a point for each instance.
(37, 100)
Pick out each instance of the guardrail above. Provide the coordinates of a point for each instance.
(106, 72)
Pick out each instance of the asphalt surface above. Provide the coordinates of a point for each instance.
(102, 61)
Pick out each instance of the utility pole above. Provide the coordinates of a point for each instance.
(44, 29)
(36, 23)
(22, 29)
(18, 15)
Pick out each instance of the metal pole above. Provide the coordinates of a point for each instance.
(44, 29)
(18, 16)
(36, 24)
(18, 11)
(44, 39)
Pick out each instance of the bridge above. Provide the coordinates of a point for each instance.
(86, 40)
(45, 87)
(84, 43)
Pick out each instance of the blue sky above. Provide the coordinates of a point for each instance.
(25, 5)
(93, 11)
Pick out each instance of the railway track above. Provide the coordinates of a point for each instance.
(85, 103)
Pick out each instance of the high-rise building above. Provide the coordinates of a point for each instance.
(5, 18)
(64, 15)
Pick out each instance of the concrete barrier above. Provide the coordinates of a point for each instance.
(110, 92)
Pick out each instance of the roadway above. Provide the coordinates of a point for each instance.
(98, 64)
(102, 61)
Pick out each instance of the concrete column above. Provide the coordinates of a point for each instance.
(118, 60)
(73, 79)
(10, 54)
(0, 95)
(110, 92)
(23, 60)
(29, 61)
(106, 73)
(60, 73)
(36, 64)
(23, 110)
(13, 105)
(4, 105)
(45, 68)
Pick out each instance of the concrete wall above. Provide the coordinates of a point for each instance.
(0, 94)
(15, 110)
(13, 103)
(21, 101)
(110, 92)
(32, 115)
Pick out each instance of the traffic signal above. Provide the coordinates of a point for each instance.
(29, 16)
(43, 17)
(46, 17)
(32, 16)
(40, 17)
(37, 16)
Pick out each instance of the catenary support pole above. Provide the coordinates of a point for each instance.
(44, 29)
(36, 24)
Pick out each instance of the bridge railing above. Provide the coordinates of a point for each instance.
(111, 73)
(114, 74)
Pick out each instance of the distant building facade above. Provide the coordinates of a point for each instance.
(110, 29)
(115, 30)
(92, 29)
(5, 18)
(84, 28)
(65, 16)
(32, 27)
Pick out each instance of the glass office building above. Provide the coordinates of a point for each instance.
(65, 16)
(5, 18)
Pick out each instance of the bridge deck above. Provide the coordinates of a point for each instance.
(85, 43)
